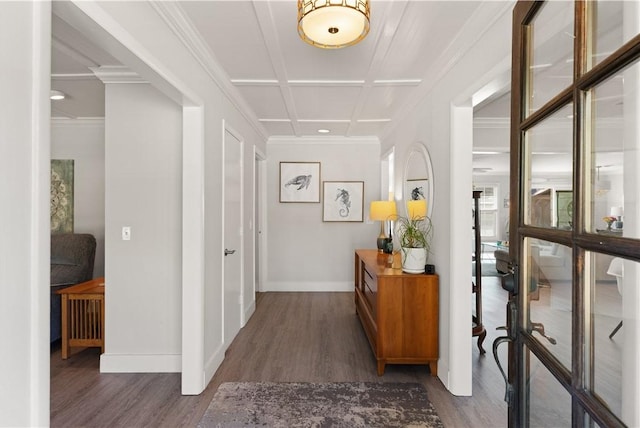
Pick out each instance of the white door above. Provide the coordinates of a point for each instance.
(233, 214)
(260, 202)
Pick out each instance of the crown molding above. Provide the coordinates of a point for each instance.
(175, 18)
(73, 76)
(331, 139)
(483, 19)
(64, 48)
(492, 122)
(58, 122)
(117, 74)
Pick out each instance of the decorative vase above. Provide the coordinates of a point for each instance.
(414, 260)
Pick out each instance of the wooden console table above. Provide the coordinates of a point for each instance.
(398, 311)
(83, 315)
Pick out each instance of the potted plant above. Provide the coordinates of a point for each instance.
(415, 235)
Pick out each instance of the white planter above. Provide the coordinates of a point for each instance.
(414, 260)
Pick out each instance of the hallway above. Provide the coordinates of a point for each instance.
(301, 337)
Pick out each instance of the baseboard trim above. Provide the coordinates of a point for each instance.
(212, 364)
(443, 373)
(248, 312)
(128, 363)
(299, 286)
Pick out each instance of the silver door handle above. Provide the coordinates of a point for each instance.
(228, 252)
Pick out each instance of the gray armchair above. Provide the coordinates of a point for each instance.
(72, 259)
(502, 261)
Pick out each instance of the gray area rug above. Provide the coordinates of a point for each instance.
(358, 404)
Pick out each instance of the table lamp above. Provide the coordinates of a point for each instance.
(617, 212)
(383, 211)
(417, 209)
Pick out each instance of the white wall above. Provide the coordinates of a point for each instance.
(160, 53)
(305, 253)
(25, 43)
(143, 171)
(83, 141)
(431, 122)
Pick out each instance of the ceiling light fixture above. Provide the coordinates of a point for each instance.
(56, 95)
(333, 24)
(323, 131)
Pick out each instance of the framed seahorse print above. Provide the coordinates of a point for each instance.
(342, 201)
(300, 182)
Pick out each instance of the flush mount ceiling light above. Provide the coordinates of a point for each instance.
(56, 95)
(323, 131)
(333, 24)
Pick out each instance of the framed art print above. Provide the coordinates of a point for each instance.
(62, 195)
(299, 181)
(416, 188)
(343, 201)
(564, 209)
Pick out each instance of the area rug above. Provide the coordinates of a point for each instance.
(269, 404)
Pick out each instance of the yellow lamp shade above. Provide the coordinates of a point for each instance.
(417, 209)
(383, 210)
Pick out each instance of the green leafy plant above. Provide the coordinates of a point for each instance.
(415, 232)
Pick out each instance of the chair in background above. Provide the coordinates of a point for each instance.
(616, 269)
(502, 261)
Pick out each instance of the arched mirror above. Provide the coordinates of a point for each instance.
(417, 179)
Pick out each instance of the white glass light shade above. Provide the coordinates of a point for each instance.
(333, 24)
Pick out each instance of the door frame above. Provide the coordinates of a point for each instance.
(584, 404)
(99, 27)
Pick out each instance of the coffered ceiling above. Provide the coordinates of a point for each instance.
(292, 88)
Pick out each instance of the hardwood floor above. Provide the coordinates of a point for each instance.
(302, 337)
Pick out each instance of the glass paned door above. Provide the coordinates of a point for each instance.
(573, 318)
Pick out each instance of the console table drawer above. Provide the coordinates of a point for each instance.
(370, 290)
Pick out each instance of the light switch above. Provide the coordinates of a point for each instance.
(126, 233)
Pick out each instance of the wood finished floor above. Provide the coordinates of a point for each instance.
(301, 337)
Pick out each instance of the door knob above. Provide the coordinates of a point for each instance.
(228, 252)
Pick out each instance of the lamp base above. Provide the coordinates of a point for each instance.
(385, 245)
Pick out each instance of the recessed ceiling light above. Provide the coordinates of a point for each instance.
(56, 95)
(323, 131)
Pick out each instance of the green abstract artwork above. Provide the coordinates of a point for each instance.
(61, 196)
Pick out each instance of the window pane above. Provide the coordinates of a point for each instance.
(488, 220)
(549, 163)
(614, 304)
(611, 30)
(551, 63)
(613, 112)
(550, 403)
(548, 274)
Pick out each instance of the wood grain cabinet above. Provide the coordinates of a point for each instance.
(398, 311)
